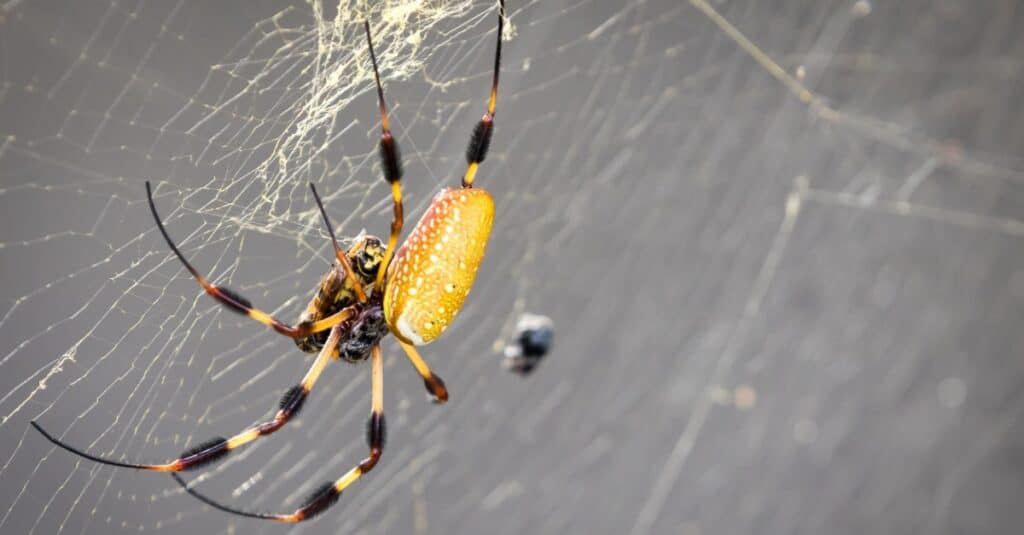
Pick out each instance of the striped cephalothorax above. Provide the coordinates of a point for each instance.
(413, 291)
(337, 291)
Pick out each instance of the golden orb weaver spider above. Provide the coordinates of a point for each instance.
(413, 293)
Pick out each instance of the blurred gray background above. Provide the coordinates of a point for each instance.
(774, 314)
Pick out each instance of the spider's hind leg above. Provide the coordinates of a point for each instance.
(215, 448)
(234, 301)
(327, 494)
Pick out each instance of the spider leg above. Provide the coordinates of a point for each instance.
(338, 252)
(433, 383)
(327, 494)
(480, 141)
(236, 302)
(391, 163)
(215, 448)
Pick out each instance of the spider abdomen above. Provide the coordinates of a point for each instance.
(434, 269)
(335, 292)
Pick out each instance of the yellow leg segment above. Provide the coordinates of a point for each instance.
(433, 383)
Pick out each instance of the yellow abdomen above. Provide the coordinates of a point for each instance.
(432, 272)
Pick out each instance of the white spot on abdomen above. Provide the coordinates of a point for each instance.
(406, 330)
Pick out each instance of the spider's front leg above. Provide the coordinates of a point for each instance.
(235, 302)
(215, 448)
(327, 494)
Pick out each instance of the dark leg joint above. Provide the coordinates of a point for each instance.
(302, 330)
(436, 387)
(396, 223)
(267, 428)
(205, 453)
(370, 461)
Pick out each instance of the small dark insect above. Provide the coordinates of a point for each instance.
(413, 292)
(534, 336)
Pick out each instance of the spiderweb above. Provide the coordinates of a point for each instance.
(740, 217)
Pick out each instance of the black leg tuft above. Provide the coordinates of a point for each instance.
(213, 442)
(480, 141)
(233, 296)
(320, 499)
(391, 158)
(292, 400)
(376, 432)
(204, 453)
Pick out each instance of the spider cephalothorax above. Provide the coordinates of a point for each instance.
(364, 331)
(337, 291)
(360, 300)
